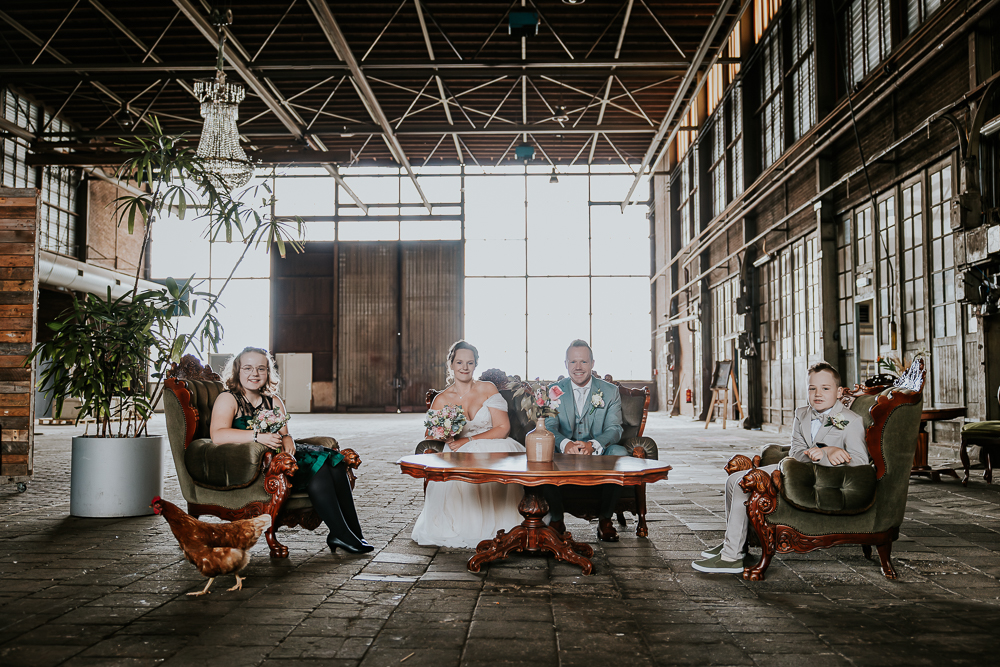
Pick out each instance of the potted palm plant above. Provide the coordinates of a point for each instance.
(113, 354)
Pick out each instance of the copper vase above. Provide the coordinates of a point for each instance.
(540, 444)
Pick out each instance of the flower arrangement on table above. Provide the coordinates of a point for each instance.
(446, 422)
(269, 421)
(538, 399)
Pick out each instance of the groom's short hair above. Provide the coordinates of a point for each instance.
(579, 342)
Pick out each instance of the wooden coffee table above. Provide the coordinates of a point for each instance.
(532, 535)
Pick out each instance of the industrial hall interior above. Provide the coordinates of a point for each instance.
(505, 332)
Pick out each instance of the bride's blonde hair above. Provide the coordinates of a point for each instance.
(456, 346)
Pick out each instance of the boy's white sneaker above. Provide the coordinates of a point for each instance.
(716, 565)
(715, 551)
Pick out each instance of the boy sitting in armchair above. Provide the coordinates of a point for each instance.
(824, 432)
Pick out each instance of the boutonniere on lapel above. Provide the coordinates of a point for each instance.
(839, 422)
(596, 401)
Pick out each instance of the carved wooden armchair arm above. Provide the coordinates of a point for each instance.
(741, 462)
(763, 489)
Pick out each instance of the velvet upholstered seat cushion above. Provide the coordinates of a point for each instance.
(223, 467)
(835, 490)
(987, 432)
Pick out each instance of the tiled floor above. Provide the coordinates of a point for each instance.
(111, 592)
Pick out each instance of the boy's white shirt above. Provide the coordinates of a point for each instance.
(851, 438)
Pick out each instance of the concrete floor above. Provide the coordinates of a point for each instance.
(112, 592)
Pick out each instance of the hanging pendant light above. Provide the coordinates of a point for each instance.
(224, 159)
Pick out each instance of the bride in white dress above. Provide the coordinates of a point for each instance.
(461, 514)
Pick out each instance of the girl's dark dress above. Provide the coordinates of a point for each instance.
(310, 458)
(323, 475)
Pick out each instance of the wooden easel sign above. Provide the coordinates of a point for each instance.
(720, 391)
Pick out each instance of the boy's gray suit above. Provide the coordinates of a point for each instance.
(851, 439)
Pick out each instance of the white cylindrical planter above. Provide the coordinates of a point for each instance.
(113, 477)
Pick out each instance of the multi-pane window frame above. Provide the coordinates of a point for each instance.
(913, 267)
(14, 170)
(688, 206)
(734, 148)
(916, 12)
(717, 169)
(867, 34)
(58, 186)
(770, 112)
(944, 307)
(845, 293)
(801, 75)
(887, 270)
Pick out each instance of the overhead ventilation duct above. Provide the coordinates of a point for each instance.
(524, 152)
(523, 24)
(58, 271)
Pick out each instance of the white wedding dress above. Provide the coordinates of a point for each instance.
(461, 514)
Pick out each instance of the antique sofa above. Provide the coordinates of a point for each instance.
(802, 507)
(580, 501)
(232, 481)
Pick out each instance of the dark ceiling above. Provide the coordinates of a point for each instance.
(614, 65)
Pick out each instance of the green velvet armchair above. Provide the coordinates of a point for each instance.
(986, 436)
(238, 480)
(802, 507)
(583, 502)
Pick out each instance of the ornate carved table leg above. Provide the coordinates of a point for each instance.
(532, 535)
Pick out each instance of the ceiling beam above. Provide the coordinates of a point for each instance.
(337, 40)
(678, 100)
(403, 68)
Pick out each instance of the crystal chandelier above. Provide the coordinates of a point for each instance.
(224, 159)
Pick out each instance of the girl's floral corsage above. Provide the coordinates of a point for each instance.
(839, 422)
(446, 422)
(596, 401)
(268, 421)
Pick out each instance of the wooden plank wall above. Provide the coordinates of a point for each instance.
(18, 309)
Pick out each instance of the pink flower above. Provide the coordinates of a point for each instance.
(540, 400)
(555, 392)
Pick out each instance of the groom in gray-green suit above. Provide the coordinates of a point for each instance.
(589, 422)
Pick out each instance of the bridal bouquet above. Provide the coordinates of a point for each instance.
(446, 422)
(268, 421)
(538, 399)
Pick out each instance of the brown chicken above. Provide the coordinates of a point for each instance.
(214, 548)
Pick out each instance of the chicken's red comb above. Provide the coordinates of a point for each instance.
(156, 500)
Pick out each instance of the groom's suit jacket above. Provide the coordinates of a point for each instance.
(851, 438)
(603, 424)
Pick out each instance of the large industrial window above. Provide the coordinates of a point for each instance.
(718, 168)
(689, 197)
(868, 36)
(770, 114)
(845, 292)
(803, 67)
(888, 273)
(14, 171)
(545, 262)
(917, 12)
(734, 115)
(912, 227)
(59, 185)
(550, 262)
